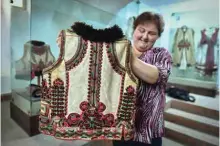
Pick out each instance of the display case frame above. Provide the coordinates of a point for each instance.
(19, 3)
(24, 109)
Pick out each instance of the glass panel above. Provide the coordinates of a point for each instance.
(49, 17)
(194, 44)
(21, 59)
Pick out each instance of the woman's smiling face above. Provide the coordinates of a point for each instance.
(144, 36)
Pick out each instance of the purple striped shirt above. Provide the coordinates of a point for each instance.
(149, 120)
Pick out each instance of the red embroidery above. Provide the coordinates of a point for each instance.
(101, 107)
(58, 99)
(127, 104)
(84, 106)
(67, 91)
(73, 119)
(128, 66)
(44, 119)
(44, 116)
(39, 50)
(92, 116)
(98, 72)
(121, 93)
(130, 90)
(79, 55)
(109, 120)
(113, 59)
(91, 123)
(45, 90)
(90, 78)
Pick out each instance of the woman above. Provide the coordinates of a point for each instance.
(152, 67)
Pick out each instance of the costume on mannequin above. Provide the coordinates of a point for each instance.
(208, 46)
(89, 92)
(129, 29)
(183, 48)
(37, 55)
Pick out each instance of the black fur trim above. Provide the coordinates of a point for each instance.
(107, 35)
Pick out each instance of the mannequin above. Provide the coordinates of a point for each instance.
(37, 55)
(129, 29)
(183, 48)
(208, 47)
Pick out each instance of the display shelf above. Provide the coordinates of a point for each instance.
(25, 94)
(194, 86)
(28, 123)
(24, 110)
(29, 105)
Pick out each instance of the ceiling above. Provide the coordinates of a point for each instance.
(156, 3)
(113, 6)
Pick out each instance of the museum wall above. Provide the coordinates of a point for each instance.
(5, 47)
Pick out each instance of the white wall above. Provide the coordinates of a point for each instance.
(191, 5)
(5, 47)
(6, 56)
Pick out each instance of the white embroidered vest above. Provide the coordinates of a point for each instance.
(89, 92)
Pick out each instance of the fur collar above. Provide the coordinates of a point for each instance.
(107, 35)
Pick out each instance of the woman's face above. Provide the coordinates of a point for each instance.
(144, 36)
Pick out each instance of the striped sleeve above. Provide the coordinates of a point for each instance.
(163, 63)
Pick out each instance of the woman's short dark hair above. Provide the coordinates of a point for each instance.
(146, 17)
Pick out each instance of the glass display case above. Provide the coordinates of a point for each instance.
(194, 45)
(191, 45)
(29, 57)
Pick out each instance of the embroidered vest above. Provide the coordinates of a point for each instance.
(89, 92)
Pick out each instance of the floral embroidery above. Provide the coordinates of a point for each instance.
(130, 90)
(93, 122)
(58, 98)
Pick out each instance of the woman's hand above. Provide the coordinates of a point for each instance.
(142, 70)
(135, 53)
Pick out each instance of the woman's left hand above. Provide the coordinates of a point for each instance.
(135, 53)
